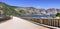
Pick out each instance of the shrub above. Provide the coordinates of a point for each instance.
(58, 15)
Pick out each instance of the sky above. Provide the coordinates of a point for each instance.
(34, 3)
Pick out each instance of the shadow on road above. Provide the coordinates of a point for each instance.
(4, 18)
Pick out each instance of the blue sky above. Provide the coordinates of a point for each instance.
(34, 3)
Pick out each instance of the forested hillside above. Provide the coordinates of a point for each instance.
(7, 9)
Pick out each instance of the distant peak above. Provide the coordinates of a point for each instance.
(2, 3)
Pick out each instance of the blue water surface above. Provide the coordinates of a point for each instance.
(41, 16)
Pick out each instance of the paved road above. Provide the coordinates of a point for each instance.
(18, 23)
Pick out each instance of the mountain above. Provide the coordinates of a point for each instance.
(27, 10)
(52, 11)
(7, 9)
(19, 11)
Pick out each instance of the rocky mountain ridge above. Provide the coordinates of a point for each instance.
(40, 11)
(14, 10)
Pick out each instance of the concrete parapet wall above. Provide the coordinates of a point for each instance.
(46, 22)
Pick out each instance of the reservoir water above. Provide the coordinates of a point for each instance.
(41, 16)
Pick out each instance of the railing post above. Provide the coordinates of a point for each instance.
(41, 21)
(59, 23)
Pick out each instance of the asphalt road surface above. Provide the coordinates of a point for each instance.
(18, 23)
